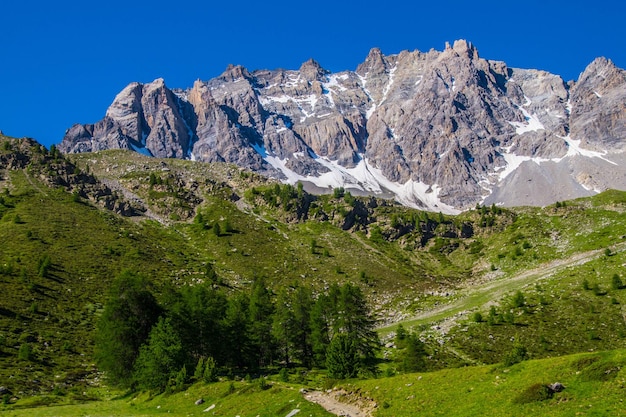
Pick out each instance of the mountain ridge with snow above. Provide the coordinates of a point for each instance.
(441, 130)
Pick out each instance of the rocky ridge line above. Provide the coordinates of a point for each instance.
(441, 130)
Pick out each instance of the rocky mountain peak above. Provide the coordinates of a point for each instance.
(465, 48)
(312, 70)
(374, 63)
(439, 130)
(234, 73)
(602, 73)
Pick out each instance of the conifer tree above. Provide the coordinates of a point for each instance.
(161, 358)
(197, 312)
(292, 325)
(236, 328)
(124, 326)
(260, 315)
(356, 320)
(412, 359)
(342, 357)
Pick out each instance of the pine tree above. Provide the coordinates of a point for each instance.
(260, 317)
(238, 351)
(283, 324)
(412, 359)
(356, 320)
(323, 317)
(124, 326)
(401, 335)
(301, 334)
(161, 358)
(342, 357)
(199, 371)
(291, 326)
(209, 374)
(197, 312)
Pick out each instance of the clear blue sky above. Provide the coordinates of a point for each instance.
(63, 62)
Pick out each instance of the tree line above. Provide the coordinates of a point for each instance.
(195, 332)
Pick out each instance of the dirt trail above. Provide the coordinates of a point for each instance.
(330, 402)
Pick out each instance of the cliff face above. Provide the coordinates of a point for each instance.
(438, 130)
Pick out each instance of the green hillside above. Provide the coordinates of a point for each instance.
(473, 288)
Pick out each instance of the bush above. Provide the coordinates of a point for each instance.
(210, 370)
(283, 374)
(597, 290)
(518, 299)
(516, 355)
(616, 282)
(263, 384)
(534, 393)
(600, 370)
(477, 317)
(585, 284)
(25, 353)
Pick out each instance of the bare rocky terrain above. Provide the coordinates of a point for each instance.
(439, 130)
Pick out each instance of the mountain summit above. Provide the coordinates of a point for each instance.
(437, 130)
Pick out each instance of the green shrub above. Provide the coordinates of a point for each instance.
(477, 317)
(585, 284)
(25, 353)
(597, 290)
(263, 384)
(518, 299)
(599, 371)
(509, 317)
(534, 393)
(616, 282)
(67, 346)
(209, 374)
(283, 374)
(516, 355)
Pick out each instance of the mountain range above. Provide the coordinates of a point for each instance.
(438, 130)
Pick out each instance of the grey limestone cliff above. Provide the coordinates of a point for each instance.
(440, 130)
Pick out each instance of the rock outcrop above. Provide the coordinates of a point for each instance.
(440, 130)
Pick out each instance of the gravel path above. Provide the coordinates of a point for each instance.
(329, 401)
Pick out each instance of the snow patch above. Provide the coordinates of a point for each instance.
(371, 110)
(141, 149)
(389, 84)
(532, 123)
(333, 82)
(310, 100)
(597, 94)
(362, 177)
(274, 99)
(513, 162)
(573, 149)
